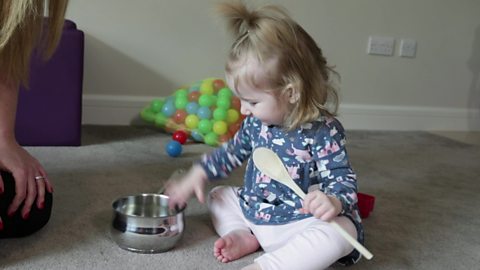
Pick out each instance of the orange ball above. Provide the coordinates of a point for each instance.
(193, 96)
(224, 138)
(218, 84)
(179, 116)
(233, 128)
(235, 103)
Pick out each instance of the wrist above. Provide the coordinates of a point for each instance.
(7, 138)
(199, 173)
(337, 204)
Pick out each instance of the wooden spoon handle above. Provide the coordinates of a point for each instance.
(367, 254)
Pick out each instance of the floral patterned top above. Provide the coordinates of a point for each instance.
(315, 157)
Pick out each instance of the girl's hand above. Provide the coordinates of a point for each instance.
(180, 190)
(321, 206)
(24, 168)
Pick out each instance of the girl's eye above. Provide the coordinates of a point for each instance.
(253, 103)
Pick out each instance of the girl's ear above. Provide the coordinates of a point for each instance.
(293, 94)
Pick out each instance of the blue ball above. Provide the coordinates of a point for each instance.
(173, 148)
(168, 108)
(204, 112)
(196, 135)
(192, 108)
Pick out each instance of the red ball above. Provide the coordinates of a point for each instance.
(233, 128)
(235, 103)
(180, 136)
(179, 116)
(193, 96)
(224, 138)
(218, 84)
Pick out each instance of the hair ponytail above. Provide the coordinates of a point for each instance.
(288, 56)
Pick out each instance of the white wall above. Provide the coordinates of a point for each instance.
(139, 49)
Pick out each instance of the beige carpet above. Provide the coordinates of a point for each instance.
(426, 217)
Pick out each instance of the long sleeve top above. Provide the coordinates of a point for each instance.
(314, 156)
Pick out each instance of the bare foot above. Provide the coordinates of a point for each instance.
(235, 245)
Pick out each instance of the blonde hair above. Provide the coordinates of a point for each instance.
(269, 33)
(22, 29)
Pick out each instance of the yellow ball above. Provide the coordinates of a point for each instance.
(232, 116)
(207, 87)
(191, 121)
(220, 127)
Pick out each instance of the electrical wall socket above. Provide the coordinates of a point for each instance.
(408, 47)
(380, 45)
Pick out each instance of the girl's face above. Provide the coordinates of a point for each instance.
(263, 104)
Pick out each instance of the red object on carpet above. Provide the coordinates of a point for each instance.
(365, 204)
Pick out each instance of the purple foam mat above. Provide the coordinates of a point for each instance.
(49, 113)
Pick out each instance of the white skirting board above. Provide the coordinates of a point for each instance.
(124, 110)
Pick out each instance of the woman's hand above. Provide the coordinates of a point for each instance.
(180, 190)
(321, 206)
(31, 180)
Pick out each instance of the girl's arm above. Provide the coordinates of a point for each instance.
(337, 178)
(223, 160)
(217, 164)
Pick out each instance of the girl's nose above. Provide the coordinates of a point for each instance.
(244, 110)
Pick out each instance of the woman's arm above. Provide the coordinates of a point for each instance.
(14, 159)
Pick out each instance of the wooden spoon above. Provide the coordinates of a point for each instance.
(270, 164)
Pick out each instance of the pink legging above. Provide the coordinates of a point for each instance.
(306, 244)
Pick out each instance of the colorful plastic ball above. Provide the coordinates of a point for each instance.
(173, 148)
(233, 128)
(168, 109)
(224, 138)
(204, 113)
(147, 114)
(220, 127)
(225, 92)
(218, 84)
(192, 108)
(181, 102)
(232, 116)
(191, 121)
(220, 114)
(156, 105)
(180, 136)
(206, 100)
(193, 96)
(197, 136)
(223, 102)
(211, 139)
(179, 116)
(181, 93)
(205, 126)
(236, 103)
(206, 87)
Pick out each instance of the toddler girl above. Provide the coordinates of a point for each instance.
(283, 82)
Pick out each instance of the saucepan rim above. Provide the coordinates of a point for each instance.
(116, 206)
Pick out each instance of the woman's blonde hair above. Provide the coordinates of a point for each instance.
(269, 33)
(22, 29)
